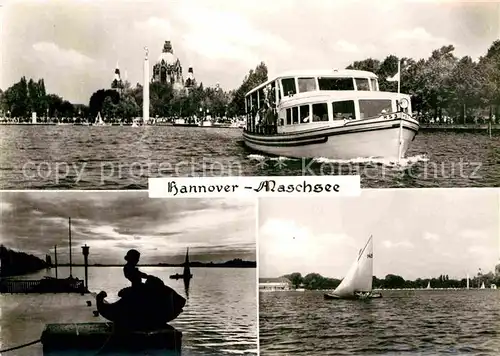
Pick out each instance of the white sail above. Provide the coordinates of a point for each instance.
(429, 285)
(359, 278)
(482, 286)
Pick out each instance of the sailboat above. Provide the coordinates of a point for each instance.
(99, 121)
(357, 284)
(429, 285)
(482, 286)
(187, 271)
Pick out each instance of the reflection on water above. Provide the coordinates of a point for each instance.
(403, 322)
(187, 281)
(92, 158)
(220, 317)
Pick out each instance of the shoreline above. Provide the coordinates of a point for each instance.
(423, 127)
(459, 128)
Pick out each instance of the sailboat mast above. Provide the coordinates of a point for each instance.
(187, 271)
(70, 257)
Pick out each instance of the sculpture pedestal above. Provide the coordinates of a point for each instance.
(69, 339)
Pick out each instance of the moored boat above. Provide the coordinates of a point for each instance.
(336, 114)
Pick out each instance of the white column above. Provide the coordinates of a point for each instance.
(145, 89)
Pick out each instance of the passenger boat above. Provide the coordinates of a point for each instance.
(336, 114)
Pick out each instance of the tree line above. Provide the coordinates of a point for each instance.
(17, 263)
(442, 85)
(315, 281)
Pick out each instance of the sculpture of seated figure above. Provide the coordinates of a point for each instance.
(142, 306)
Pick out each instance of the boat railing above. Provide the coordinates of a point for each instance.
(42, 286)
(387, 116)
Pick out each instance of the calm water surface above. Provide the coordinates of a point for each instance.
(79, 157)
(220, 317)
(401, 323)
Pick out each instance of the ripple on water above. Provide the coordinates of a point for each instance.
(441, 322)
(124, 158)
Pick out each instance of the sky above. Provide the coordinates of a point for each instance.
(416, 233)
(111, 223)
(76, 44)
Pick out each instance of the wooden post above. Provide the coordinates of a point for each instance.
(70, 260)
(85, 251)
(55, 257)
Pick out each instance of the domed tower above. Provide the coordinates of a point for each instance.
(117, 81)
(190, 80)
(168, 67)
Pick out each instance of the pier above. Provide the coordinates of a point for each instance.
(61, 339)
(47, 285)
(460, 127)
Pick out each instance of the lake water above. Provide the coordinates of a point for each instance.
(401, 323)
(79, 157)
(220, 317)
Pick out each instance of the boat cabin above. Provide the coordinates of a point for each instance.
(289, 102)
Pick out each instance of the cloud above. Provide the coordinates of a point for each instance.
(222, 34)
(473, 234)
(430, 236)
(112, 222)
(345, 46)
(285, 247)
(402, 244)
(155, 25)
(479, 250)
(417, 34)
(52, 54)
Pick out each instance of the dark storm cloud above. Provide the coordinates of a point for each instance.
(112, 222)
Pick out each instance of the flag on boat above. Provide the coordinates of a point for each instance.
(396, 77)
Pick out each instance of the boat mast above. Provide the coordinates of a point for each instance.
(187, 271)
(70, 260)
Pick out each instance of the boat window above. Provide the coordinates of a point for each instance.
(374, 107)
(288, 116)
(261, 98)
(248, 103)
(254, 100)
(272, 95)
(306, 84)
(335, 84)
(362, 84)
(295, 115)
(304, 114)
(288, 86)
(320, 112)
(343, 110)
(374, 84)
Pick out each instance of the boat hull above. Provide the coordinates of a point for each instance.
(329, 296)
(373, 138)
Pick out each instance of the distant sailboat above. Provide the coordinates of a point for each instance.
(482, 286)
(429, 285)
(99, 121)
(187, 271)
(357, 284)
